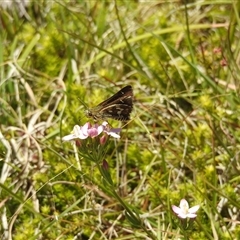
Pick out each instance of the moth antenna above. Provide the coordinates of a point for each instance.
(83, 103)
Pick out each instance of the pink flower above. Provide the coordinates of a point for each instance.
(92, 131)
(183, 211)
(88, 130)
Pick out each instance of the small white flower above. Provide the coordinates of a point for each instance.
(89, 130)
(76, 133)
(183, 211)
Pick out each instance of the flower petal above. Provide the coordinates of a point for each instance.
(184, 204)
(78, 131)
(92, 132)
(85, 128)
(105, 123)
(182, 215)
(113, 134)
(176, 209)
(100, 129)
(191, 215)
(194, 209)
(69, 137)
(95, 130)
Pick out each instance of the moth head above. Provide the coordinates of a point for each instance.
(90, 114)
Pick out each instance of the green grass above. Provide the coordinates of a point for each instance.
(182, 61)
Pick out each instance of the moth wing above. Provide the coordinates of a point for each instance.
(124, 91)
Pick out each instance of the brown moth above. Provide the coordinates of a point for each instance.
(118, 107)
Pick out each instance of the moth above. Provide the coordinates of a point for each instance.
(118, 107)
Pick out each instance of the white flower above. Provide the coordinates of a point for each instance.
(89, 130)
(183, 211)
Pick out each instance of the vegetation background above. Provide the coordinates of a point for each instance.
(182, 60)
